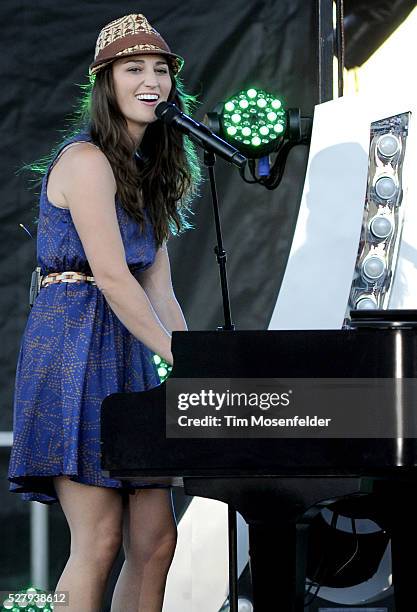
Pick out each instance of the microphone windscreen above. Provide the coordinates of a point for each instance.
(166, 111)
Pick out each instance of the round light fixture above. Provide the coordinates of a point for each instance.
(381, 226)
(373, 268)
(365, 302)
(385, 187)
(258, 119)
(388, 145)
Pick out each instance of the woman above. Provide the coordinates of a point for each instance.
(110, 197)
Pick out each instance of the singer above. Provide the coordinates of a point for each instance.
(112, 193)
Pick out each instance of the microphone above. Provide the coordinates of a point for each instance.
(199, 133)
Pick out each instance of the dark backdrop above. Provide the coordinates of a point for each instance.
(45, 51)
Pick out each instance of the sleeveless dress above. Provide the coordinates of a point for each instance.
(74, 353)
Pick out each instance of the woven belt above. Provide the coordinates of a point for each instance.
(66, 277)
(38, 281)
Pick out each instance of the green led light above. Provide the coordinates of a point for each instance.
(255, 120)
(162, 367)
(36, 600)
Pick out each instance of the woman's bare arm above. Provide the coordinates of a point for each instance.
(157, 284)
(89, 191)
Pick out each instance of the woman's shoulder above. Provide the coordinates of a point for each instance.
(78, 161)
(77, 150)
(80, 151)
(77, 144)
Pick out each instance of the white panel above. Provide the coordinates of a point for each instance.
(318, 276)
(199, 575)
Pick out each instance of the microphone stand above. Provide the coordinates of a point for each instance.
(209, 161)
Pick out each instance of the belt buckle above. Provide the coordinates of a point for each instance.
(35, 285)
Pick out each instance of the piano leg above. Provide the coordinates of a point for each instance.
(232, 529)
(395, 509)
(402, 512)
(272, 507)
(403, 551)
(278, 555)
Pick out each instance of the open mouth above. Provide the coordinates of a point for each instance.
(148, 100)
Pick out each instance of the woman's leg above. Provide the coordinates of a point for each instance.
(94, 516)
(149, 540)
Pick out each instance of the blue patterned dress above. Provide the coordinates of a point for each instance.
(74, 353)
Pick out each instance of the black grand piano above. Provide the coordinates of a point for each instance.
(273, 482)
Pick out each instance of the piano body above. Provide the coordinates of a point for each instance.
(273, 482)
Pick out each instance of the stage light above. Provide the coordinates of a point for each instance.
(381, 227)
(383, 214)
(258, 125)
(163, 368)
(366, 303)
(388, 145)
(385, 187)
(31, 599)
(258, 118)
(373, 268)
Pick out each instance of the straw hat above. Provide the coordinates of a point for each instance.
(131, 35)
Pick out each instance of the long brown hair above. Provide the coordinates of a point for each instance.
(166, 176)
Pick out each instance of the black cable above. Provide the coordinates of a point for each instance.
(355, 552)
(317, 584)
(277, 170)
(319, 568)
(252, 169)
(242, 174)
